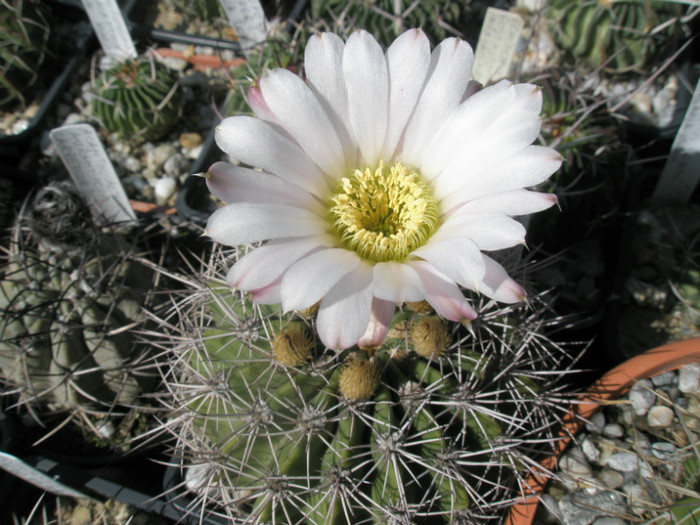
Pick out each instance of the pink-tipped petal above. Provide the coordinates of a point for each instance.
(379, 321)
(263, 265)
(343, 316)
(407, 59)
(300, 113)
(269, 294)
(259, 144)
(458, 258)
(498, 286)
(237, 184)
(514, 202)
(448, 74)
(245, 222)
(443, 294)
(367, 83)
(327, 266)
(488, 231)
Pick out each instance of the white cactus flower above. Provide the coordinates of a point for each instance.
(381, 179)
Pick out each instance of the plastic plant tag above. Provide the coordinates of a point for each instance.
(496, 46)
(107, 21)
(681, 173)
(20, 469)
(247, 19)
(86, 160)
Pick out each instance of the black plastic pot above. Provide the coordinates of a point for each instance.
(61, 69)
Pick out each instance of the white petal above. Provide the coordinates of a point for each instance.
(323, 65)
(487, 231)
(367, 82)
(528, 167)
(258, 144)
(379, 321)
(264, 264)
(448, 75)
(237, 184)
(344, 313)
(457, 257)
(301, 114)
(514, 202)
(310, 278)
(529, 97)
(442, 293)
(465, 125)
(497, 285)
(244, 222)
(269, 294)
(407, 59)
(397, 282)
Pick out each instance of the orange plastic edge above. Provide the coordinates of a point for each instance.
(610, 386)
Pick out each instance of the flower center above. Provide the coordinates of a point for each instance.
(383, 214)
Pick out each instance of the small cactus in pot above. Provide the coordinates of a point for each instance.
(137, 98)
(433, 426)
(619, 36)
(69, 299)
(23, 36)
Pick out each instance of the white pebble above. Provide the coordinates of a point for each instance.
(642, 396)
(613, 430)
(689, 378)
(163, 190)
(596, 423)
(590, 450)
(609, 521)
(660, 416)
(665, 379)
(574, 463)
(623, 461)
(175, 165)
(611, 478)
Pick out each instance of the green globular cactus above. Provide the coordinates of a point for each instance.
(23, 37)
(433, 426)
(204, 9)
(387, 19)
(69, 299)
(137, 98)
(620, 36)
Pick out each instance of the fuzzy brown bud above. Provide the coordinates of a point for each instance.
(359, 379)
(292, 346)
(429, 337)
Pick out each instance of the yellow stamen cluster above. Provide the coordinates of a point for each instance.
(292, 346)
(383, 213)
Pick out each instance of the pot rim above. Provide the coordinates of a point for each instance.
(610, 386)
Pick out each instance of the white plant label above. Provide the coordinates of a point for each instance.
(20, 469)
(86, 160)
(497, 43)
(107, 21)
(681, 173)
(247, 19)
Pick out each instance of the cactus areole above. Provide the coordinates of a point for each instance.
(382, 179)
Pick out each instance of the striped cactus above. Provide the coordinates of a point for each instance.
(137, 98)
(620, 36)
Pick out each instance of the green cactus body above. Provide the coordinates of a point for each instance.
(137, 98)
(23, 36)
(425, 439)
(64, 318)
(620, 35)
(387, 19)
(204, 9)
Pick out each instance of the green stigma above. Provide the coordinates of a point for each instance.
(383, 214)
